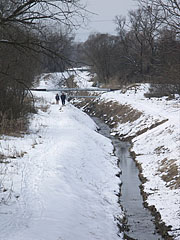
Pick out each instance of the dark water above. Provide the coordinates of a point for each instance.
(140, 222)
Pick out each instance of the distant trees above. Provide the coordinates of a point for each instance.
(167, 15)
(146, 47)
(27, 45)
(98, 51)
(168, 57)
(58, 54)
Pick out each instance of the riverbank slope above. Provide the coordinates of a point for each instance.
(153, 127)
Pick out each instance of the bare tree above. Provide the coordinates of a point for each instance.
(29, 12)
(99, 52)
(168, 11)
(145, 28)
(151, 47)
(24, 25)
(37, 16)
(17, 71)
(168, 65)
(57, 57)
(137, 37)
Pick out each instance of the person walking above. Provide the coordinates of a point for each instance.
(63, 98)
(57, 98)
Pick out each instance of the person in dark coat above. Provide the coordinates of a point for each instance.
(57, 98)
(63, 98)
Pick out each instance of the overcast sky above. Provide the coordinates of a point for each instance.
(104, 14)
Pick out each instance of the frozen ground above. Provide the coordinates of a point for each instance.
(157, 150)
(58, 182)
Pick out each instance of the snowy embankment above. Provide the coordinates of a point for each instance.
(59, 181)
(155, 132)
(157, 150)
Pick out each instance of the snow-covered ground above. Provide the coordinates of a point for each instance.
(58, 182)
(157, 149)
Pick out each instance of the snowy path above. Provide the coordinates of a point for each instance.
(68, 183)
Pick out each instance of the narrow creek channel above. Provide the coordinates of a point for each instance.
(139, 221)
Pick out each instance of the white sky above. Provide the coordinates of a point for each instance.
(104, 14)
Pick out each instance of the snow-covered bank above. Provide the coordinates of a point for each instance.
(154, 127)
(157, 150)
(59, 182)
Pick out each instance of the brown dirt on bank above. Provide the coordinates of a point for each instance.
(169, 171)
(110, 112)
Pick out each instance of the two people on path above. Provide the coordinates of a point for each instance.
(63, 98)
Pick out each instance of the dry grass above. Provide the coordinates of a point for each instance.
(41, 100)
(161, 149)
(43, 104)
(70, 82)
(2, 158)
(170, 174)
(133, 86)
(44, 108)
(47, 76)
(15, 122)
(112, 112)
(113, 83)
(13, 127)
(14, 155)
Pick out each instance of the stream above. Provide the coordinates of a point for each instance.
(139, 221)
